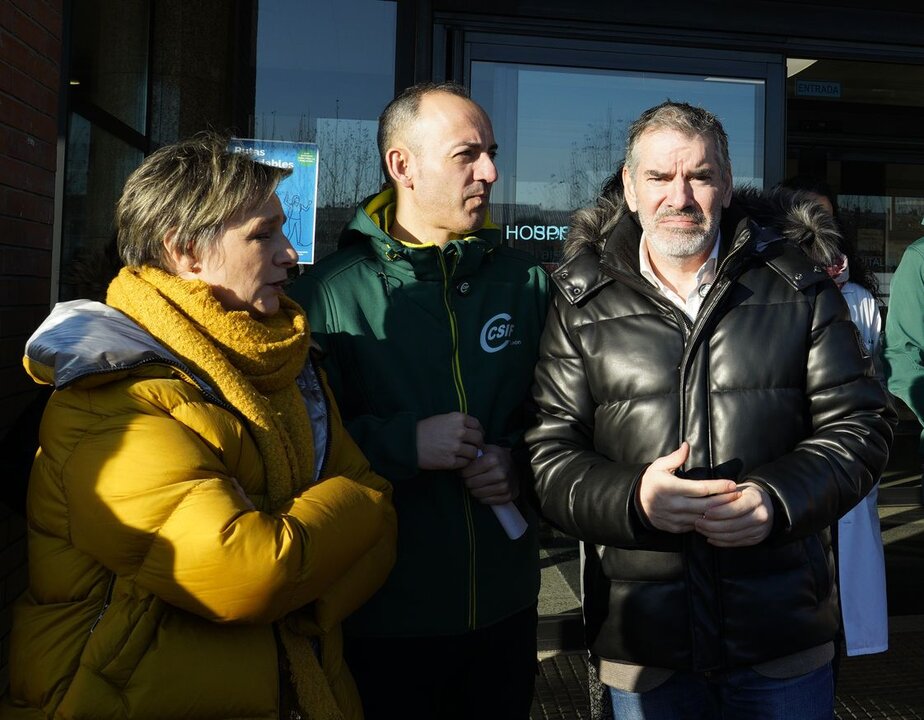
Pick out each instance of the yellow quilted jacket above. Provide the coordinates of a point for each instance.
(155, 579)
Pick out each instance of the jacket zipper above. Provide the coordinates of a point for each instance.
(106, 603)
(694, 329)
(714, 298)
(190, 377)
(691, 331)
(463, 407)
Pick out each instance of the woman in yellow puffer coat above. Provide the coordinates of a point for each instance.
(199, 520)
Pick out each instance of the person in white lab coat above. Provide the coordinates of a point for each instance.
(861, 564)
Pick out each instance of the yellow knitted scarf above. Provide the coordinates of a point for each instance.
(252, 364)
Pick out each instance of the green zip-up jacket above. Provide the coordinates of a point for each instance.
(903, 345)
(410, 332)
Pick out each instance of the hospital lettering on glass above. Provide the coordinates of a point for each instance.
(536, 232)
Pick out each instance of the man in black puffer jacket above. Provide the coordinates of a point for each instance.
(706, 413)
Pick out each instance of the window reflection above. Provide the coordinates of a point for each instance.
(562, 132)
(882, 228)
(98, 164)
(109, 57)
(857, 126)
(324, 73)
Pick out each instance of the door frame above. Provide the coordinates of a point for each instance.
(455, 48)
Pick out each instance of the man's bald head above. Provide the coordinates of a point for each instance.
(399, 115)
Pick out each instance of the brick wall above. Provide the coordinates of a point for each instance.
(30, 69)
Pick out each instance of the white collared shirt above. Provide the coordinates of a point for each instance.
(704, 278)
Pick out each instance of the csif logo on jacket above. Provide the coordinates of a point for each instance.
(497, 333)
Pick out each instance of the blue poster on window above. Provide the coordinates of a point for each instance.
(298, 193)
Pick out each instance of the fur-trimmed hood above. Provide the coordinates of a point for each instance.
(795, 216)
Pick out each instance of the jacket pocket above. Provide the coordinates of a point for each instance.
(122, 636)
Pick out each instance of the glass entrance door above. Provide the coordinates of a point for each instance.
(562, 133)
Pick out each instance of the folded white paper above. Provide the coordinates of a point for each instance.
(509, 516)
(511, 519)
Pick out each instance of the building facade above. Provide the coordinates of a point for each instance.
(831, 89)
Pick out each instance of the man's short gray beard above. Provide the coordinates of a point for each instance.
(681, 245)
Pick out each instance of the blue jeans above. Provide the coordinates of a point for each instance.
(735, 695)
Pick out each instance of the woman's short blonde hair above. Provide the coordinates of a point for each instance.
(193, 188)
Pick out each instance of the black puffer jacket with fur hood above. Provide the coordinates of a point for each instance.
(769, 385)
